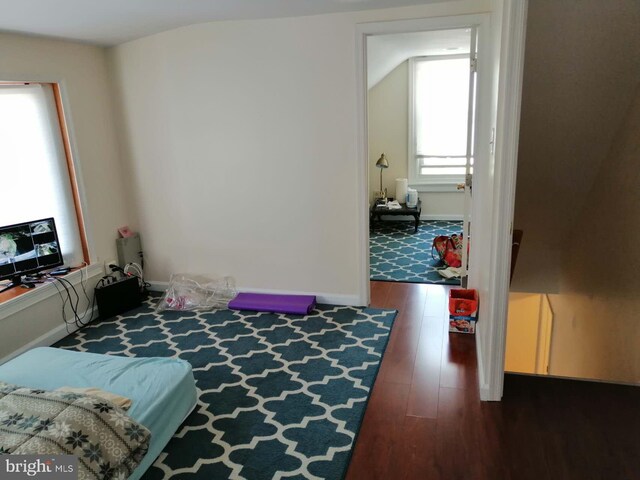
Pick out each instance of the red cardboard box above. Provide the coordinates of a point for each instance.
(463, 310)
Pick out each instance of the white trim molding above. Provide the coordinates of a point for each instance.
(483, 386)
(443, 217)
(406, 218)
(498, 195)
(512, 42)
(437, 187)
(362, 166)
(329, 298)
(28, 299)
(363, 30)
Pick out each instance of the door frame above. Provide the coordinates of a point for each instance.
(505, 55)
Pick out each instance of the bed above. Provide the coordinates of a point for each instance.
(162, 390)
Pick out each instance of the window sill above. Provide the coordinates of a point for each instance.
(437, 187)
(15, 300)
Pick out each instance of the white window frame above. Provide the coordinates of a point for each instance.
(426, 183)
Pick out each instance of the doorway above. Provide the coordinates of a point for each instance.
(421, 128)
(499, 86)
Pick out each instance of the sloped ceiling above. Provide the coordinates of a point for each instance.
(582, 67)
(386, 52)
(112, 22)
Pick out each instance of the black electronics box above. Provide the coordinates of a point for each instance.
(118, 297)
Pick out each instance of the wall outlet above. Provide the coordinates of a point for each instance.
(106, 265)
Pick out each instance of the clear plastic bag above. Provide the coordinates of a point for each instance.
(192, 292)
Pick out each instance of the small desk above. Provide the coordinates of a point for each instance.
(377, 210)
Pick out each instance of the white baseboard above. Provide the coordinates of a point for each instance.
(483, 386)
(330, 298)
(157, 286)
(406, 218)
(485, 395)
(447, 217)
(52, 336)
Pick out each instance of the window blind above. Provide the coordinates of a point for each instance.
(35, 174)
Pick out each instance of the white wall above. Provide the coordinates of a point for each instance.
(523, 324)
(582, 64)
(577, 197)
(83, 71)
(241, 145)
(596, 332)
(388, 133)
(529, 327)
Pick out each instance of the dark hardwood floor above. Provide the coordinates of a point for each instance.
(425, 420)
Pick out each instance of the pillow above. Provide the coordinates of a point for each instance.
(118, 400)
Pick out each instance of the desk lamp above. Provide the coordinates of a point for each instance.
(382, 164)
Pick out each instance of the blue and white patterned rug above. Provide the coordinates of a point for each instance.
(397, 254)
(279, 395)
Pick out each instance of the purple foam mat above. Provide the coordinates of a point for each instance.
(263, 302)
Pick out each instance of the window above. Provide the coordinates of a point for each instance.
(37, 178)
(439, 119)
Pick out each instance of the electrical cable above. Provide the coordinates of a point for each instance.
(68, 286)
(71, 298)
(137, 272)
(64, 305)
(133, 270)
(83, 283)
(64, 316)
(78, 321)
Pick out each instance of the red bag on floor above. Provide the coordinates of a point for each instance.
(448, 249)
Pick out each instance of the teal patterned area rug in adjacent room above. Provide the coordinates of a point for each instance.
(280, 396)
(397, 254)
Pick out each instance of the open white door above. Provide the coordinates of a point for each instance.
(467, 186)
(501, 54)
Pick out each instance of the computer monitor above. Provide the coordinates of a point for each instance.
(27, 248)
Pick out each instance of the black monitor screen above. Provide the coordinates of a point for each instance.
(28, 248)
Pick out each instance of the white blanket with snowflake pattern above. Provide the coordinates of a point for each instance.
(108, 443)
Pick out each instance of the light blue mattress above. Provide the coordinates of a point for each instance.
(162, 390)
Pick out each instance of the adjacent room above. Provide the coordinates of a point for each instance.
(274, 239)
(419, 112)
